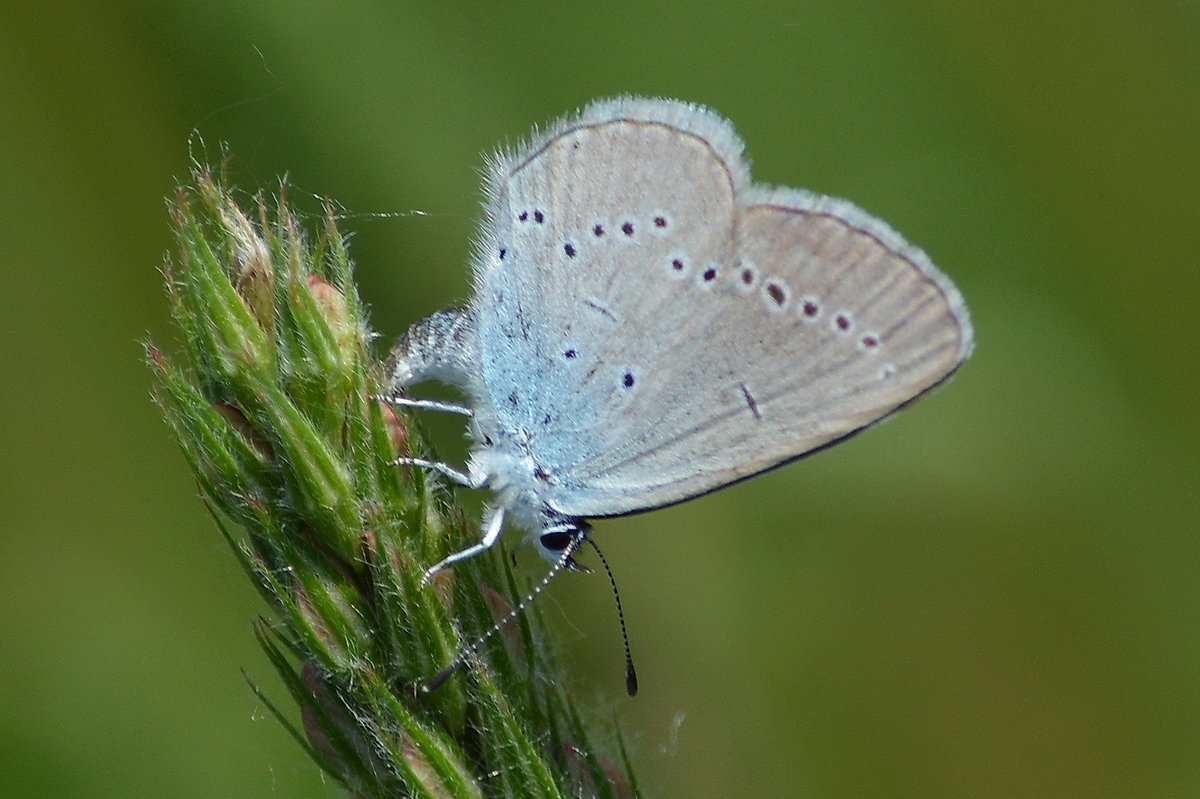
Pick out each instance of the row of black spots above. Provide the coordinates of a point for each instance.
(629, 227)
(777, 295)
(745, 277)
(775, 292)
(843, 324)
(810, 310)
(599, 230)
(660, 222)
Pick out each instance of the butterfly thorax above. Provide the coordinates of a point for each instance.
(502, 460)
(444, 347)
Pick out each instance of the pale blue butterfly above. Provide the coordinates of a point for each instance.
(648, 325)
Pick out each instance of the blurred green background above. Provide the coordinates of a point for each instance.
(994, 595)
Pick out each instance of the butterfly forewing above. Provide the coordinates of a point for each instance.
(580, 220)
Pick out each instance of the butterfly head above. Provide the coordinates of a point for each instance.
(556, 535)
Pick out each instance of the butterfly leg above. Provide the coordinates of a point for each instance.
(465, 479)
(428, 405)
(491, 534)
(458, 476)
(495, 522)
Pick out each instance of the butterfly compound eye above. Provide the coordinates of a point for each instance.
(556, 542)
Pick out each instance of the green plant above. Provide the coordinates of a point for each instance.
(269, 398)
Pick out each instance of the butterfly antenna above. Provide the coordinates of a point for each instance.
(631, 683)
(438, 680)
